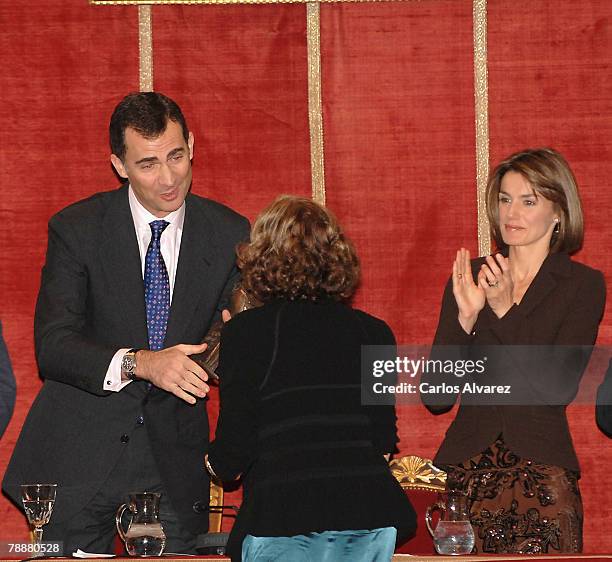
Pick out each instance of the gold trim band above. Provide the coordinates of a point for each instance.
(315, 111)
(481, 102)
(145, 47)
(194, 2)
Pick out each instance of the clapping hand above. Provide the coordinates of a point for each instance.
(495, 280)
(470, 296)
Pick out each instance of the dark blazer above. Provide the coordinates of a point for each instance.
(91, 303)
(603, 408)
(7, 386)
(292, 423)
(562, 307)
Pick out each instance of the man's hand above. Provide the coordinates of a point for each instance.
(171, 370)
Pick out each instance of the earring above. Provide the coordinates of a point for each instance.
(557, 226)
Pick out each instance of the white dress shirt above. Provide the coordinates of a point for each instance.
(170, 244)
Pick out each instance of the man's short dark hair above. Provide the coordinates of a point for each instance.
(148, 114)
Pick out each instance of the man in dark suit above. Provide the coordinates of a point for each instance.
(132, 281)
(603, 407)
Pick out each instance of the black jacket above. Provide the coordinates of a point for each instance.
(292, 423)
(603, 408)
(562, 307)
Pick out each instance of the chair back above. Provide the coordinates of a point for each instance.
(215, 516)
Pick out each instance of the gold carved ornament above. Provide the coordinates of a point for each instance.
(416, 473)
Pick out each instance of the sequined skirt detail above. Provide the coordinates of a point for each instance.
(519, 506)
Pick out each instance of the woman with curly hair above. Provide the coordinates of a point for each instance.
(312, 457)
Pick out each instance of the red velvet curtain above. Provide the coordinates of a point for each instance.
(399, 144)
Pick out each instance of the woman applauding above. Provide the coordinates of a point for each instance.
(537, 313)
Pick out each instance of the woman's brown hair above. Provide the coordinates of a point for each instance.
(298, 251)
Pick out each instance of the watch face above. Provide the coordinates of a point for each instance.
(127, 363)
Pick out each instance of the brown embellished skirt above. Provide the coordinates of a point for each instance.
(519, 506)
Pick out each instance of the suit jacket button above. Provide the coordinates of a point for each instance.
(140, 420)
(198, 508)
(125, 438)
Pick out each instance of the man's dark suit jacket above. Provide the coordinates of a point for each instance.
(91, 303)
(603, 408)
(562, 307)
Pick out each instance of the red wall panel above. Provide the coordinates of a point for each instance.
(241, 75)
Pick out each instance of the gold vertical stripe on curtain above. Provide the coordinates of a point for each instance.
(315, 112)
(145, 46)
(481, 101)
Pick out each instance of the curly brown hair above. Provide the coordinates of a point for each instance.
(298, 251)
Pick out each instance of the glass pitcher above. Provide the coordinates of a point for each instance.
(145, 534)
(454, 533)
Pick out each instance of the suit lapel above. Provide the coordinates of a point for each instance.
(545, 282)
(194, 271)
(120, 261)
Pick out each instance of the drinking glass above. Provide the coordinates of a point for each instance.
(38, 500)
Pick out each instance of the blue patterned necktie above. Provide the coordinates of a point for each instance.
(157, 288)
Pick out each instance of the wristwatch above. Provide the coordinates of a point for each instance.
(128, 364)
